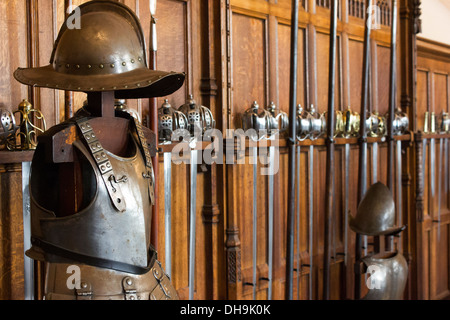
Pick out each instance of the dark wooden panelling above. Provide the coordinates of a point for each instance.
(249, 64)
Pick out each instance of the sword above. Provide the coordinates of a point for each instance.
(346, 206)
(432, 157)
(441, 143)
(192, 220)
(270, 218)
(298, 222)
(311, 217)
(330, 151)
(291, 143)
(399, 190)
(362, 179)
(28, 262)
(168, 210)
(255, 213)
(392, 95)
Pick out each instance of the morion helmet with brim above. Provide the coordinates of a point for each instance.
(376, 213)
(106, 53)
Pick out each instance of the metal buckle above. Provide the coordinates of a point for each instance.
(159, 279)
(129, 289)
(85, 291)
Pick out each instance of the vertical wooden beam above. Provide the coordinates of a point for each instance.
(210, 12)
(233, 243)
(410, 26)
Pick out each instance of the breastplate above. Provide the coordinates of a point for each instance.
(100, 234)
(387, 277)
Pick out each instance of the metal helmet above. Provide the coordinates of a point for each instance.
(170, 120)
(199, 117)
(387, 276)
(376, 213)
(107, 53)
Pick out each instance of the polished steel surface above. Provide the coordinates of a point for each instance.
(387, 276)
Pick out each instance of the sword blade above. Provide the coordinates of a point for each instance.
(346, 207)
(432, 167)
(168, 210)
(311, 218)
(270, 217)
(441, 143)
(255, 215)
(298, 222)
(374, 162)
(28, 263)
(192, 227)
(399, 190)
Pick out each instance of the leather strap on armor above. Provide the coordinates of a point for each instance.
(101, 284)
(94, 261)
(149, 175)
(103, 164)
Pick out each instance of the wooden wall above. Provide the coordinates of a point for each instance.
(235, 52)
(433, 69)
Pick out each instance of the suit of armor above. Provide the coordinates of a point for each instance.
(92, 193)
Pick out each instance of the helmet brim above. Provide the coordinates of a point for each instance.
(385, 232)
(135, 84)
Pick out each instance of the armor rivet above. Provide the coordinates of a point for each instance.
(108, 165)
(140, 59)
(124, 63)
(78, 66)
(67, 66)
(91, 89)
(112, 65)
(129, 282)
(79, 88)
(84, 285)
(103, 88)
(132, 298)
(89, 66)
(138, 84)
(114, 88)
(101, 66)
(126, 87)
(132, 60)
(149, 81)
